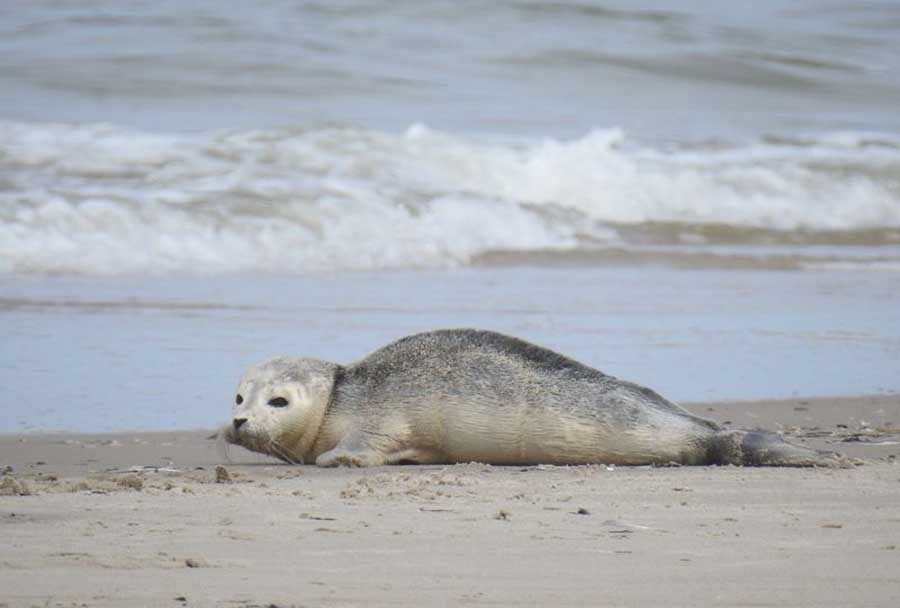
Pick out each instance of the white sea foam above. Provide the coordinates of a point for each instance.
(99, 199)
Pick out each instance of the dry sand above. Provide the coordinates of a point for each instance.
(139, 519)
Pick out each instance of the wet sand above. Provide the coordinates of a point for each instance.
(145, 519)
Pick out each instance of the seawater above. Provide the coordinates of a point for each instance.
(666, 69)
(704, 197)
(139, 352)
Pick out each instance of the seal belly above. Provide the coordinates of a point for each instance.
(558, 439)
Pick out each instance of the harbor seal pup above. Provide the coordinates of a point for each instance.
(461, 395)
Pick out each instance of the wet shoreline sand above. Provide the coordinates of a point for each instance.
(145, 519)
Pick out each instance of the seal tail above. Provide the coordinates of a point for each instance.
(766, 449)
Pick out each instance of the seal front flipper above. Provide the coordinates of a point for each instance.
(352, 451)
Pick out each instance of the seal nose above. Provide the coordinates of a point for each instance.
(238, 422)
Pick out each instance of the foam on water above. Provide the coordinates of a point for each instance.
(100, 199)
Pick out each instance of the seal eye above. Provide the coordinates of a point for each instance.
(239, 400)
(278, 402)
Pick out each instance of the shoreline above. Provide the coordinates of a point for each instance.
(166, 519)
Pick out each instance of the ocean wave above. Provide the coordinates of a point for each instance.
(100, 199)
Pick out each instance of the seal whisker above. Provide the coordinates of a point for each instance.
(273, 449)
(223, 443)
(282, 453)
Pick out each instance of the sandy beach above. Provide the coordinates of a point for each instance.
(148, 519)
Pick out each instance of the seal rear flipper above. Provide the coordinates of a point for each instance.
(766, 449)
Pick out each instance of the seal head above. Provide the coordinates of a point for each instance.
(279, 406)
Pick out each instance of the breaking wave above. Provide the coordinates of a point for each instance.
(100, 199)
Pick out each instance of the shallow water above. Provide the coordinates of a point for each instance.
(92, 354)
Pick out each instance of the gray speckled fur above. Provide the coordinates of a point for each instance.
(463, 395)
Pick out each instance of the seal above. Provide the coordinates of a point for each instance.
(463, 395)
